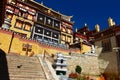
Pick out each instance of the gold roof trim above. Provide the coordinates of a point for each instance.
(68, 17)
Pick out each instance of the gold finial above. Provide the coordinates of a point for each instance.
(84, 33)
(76, 30)
(97, 27)
(111, 22)
(49, 10)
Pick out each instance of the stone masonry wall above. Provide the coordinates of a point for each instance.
(89, 64)
(109, 56)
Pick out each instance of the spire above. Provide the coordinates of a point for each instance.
(111, 22)
(97, 27)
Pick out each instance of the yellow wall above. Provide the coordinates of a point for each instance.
(37, 48)
(86, 48)
(13, 21)
(5, 41)
(17, 45)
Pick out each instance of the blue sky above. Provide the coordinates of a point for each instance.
(91, 12)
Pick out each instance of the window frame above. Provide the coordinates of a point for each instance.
(25, 26)
(106, 45)
(21, 24)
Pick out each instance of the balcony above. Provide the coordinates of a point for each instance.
(51, 43)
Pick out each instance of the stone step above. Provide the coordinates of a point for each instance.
(18, 57)
(22, 61)
(25, 65)
(23, 58)
(24, 68)
(26, 76)
(25, 71)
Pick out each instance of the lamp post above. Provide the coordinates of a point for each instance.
(117, 49)
(11, 42)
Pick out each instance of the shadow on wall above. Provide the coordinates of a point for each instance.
(4, 75)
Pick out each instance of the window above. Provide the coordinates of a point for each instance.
(21, 14)
(16, 11)
(106, 44)
(56, 24)
(69, 39)
(40, 18)
(49, 21)
(63, 37)
(47, 32)
(55, 35)
(27, 27)
(38, 30)
(63, 29)
(30, 17)
(19, 24)
(69, 31)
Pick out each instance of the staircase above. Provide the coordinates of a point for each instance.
(47, 67)
(24, 68)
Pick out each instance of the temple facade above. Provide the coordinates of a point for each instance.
(81, 39)
(36, 21)
(22, 17)
(109, 40)
(31, 27)
(46, 28)
(66, 30)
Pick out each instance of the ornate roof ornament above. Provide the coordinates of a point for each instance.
(49, 10)
(97, 27)
(111, 22)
